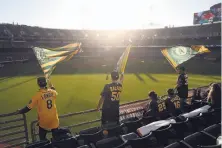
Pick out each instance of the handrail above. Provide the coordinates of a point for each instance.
(21, 134)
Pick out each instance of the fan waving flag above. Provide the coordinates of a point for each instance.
(121, 64)
(180, 54)
(49, 58)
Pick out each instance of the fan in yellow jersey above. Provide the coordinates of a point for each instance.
(45, 102)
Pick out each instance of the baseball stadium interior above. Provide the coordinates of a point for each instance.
(196, 127)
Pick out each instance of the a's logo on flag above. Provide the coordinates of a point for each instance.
(40, 54)
(180, 54)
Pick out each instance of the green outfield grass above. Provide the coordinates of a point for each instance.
(81, 92)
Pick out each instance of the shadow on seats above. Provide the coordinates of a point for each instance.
(132, 126)
(200, 139)
(42, 144)
(109, 142)
(178, 145)
(165, 135)
(143, 142)
(214, 130)
(182, 127)
(114, 130)
(90, 138)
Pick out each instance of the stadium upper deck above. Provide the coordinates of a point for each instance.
(23, 36)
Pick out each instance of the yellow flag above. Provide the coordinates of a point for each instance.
(121, 65)
(200, 48)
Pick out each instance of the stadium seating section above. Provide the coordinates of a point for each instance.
(193, 132)
(16, 54)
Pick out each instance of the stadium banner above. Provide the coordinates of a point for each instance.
(49, 58)
(180, 54)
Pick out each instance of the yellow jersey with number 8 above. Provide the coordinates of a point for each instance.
(45, 102)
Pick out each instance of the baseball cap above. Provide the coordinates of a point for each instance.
(41, 81)
(170, 91)
(115, 75)
(152, 93)
(182, 68)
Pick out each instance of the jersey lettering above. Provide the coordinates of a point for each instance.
(47, 95)
(161, 107)
(115, 96)
(115, 88)
(177, 104)
(49, 103)
(116, 91)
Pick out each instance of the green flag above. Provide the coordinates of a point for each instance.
(179, 54)
(49, 58)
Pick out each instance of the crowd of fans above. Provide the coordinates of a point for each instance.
(164, 36)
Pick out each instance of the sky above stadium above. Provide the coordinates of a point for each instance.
(102, 14)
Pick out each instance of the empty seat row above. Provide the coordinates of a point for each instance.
(198, 139)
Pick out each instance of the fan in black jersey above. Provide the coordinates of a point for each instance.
(182, 87)
(172, 103)
(110, 97)
(156, 107)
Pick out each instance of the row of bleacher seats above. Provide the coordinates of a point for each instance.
(23, 32)
(201, 130)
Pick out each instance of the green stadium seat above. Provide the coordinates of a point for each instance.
(209, 118)
(178, 145)
(129, 136)
(83, 146)
(211, 146)
(198, 123)
(109, 142)
(214, 130)
(38, 144)
(90, 130)
(132, 126)
(114, 131)
(66, 143)
(91, 138)
(200, 139)
(143, 142)
(182, 127)
(147, 119)
(165, 135)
